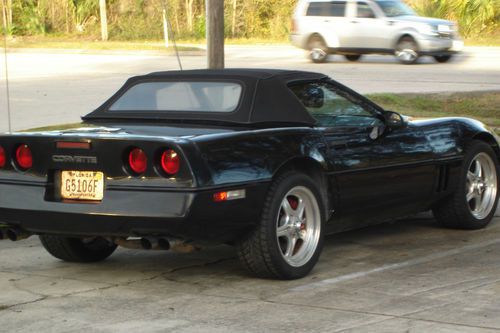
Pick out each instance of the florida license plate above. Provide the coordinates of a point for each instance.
(82, 185)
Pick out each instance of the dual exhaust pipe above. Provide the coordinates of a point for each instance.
(153, 243)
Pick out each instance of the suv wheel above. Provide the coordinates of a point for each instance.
(443, 58)
(318, 51)
(407, 51)
(352, 57)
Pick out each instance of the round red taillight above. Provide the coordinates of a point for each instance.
(3, 157)
(170, 162)
(137, 160)
(24, 158)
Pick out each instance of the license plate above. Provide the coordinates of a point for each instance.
(82, 185)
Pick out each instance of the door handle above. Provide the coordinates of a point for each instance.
(354, 21)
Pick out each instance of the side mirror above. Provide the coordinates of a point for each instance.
(394, 120)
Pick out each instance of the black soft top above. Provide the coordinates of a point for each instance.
(265, 97)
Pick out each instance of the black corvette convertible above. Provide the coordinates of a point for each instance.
(267, 160)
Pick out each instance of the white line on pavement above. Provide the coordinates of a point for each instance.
(412, 262)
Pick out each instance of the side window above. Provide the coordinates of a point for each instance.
(334, 8)
(364, 10)
(332, 107)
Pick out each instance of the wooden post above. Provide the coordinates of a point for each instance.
(215, 34)
(104, 20)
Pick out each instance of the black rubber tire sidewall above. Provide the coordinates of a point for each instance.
(454, 211)
(75, 250)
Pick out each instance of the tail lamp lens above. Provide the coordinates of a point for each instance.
(3, 157)
(24, 158)
(170, 162)
(138, 161)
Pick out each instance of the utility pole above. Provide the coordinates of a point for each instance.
(104, 20)
(215, 34)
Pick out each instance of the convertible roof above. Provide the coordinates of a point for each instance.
(265, 97)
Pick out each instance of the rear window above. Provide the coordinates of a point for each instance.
(180, 96)
(336, 8)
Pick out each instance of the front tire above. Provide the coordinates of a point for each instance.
(407, 51)
(318, 50)
(288, 241)
(474, 203)
(78, 249)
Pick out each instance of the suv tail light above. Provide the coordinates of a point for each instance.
(170, 162)
(24, 158)
(3, 157)
(137, 161)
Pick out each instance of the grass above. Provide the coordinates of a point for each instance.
(75, 42)
(491, 39)
(53, 42)
(482, 106)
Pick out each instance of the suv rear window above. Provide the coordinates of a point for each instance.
(334, 8)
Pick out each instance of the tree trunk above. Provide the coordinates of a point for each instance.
(189, 14)
(233, 22)
(215, 33)
(104, 20)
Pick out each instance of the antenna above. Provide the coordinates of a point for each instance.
(173, 34)
(4, 9)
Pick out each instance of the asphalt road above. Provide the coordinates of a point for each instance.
(54, 87)
(408, 276)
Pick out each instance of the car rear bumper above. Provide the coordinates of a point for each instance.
(132, 212)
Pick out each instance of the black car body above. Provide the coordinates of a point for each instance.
(366, 168)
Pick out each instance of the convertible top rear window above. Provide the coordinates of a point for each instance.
(183, 96)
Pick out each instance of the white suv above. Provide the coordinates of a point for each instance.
(353, 28)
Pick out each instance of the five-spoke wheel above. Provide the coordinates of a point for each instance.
(481, 188)
(298, 226)
(288, 240)
(473, 203)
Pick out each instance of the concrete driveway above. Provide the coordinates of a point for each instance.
(408, 276)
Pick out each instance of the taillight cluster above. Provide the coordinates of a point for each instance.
(22, 156)
(168, 163)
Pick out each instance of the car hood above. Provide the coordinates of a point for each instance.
(421, 19)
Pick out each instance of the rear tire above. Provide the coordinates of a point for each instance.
(318, 50)
(353, 57)
(475, 200)
(407, 51)
(77, 249)
(442, 58)
(287, 242)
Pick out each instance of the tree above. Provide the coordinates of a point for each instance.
(104, 20)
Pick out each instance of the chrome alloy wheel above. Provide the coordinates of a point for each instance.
(481, 186)
(298, 226)
(407, 54)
